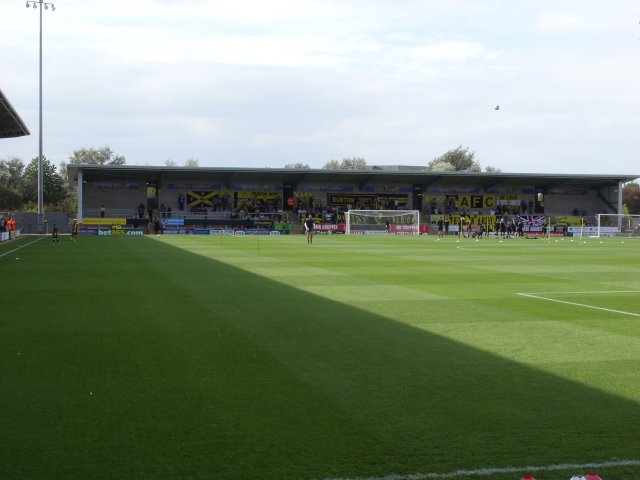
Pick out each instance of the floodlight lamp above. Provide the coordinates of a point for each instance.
(27, 5)
(46, 6)
(53, 7)
(34, 5)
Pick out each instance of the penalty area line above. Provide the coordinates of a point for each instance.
(494, 471)
(538, 297)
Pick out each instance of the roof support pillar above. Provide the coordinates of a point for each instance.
(79, 191)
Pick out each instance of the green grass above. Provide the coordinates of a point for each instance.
(183, 357)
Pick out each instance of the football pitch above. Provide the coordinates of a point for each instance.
(263, 357)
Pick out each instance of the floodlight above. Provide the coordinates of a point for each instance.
(34, 4)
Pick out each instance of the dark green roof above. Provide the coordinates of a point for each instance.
(11, 125)
(423, 178)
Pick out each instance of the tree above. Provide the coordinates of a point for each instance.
(353, 163)
(490, 169)
(11, 184)
(92, 156)
(461, 159)
(53, 184)
(10, 199)
(96, 156)
(440, 166)
(332, 165)
(298, 166)
(350, 163)
(170, 163)
(11, 172)
(631, 197)
(192, 163)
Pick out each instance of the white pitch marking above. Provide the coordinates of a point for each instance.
(580, 293)
(21, 247)
(493, 471)
(581, 304)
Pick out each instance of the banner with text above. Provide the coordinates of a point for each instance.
(104, 221)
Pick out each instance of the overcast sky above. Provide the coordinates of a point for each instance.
(257, 83)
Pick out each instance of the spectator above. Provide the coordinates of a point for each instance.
(11, 225)
(103, 211)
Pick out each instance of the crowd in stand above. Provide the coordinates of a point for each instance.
(308, 206)
(500, 209)
(270, 208)
(257, 209)
(165, 212)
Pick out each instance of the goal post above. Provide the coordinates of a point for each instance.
(400, 222)
(617, 225)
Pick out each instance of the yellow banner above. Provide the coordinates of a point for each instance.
(470, 201)
(574, 221)
(266, 196)
(474, 219)
(104, 221)
(200, 199)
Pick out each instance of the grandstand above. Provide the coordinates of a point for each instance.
(268, 199)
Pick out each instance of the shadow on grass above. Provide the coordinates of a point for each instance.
(232, 375)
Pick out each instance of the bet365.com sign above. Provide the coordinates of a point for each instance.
(118, 232)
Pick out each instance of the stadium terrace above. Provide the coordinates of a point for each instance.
(268, 200)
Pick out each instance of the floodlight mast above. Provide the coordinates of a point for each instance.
(46, 5)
